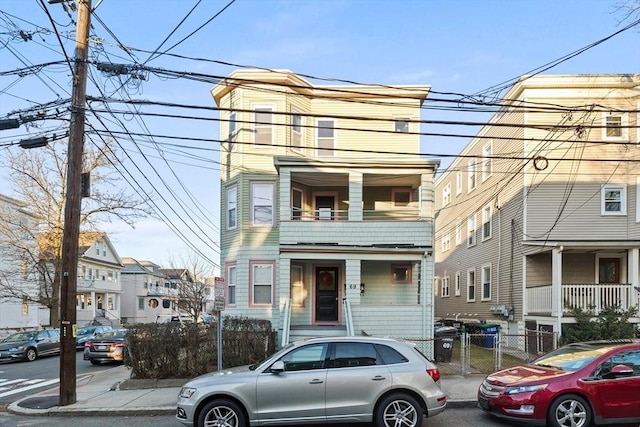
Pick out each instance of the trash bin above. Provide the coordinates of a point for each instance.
(444, 349)
(489, 331)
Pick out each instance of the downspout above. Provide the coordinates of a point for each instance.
(499, 255)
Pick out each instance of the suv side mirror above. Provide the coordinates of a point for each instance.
(277, 367)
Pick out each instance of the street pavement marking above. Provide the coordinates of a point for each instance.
(42, 383)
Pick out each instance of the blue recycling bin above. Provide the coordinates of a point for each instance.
(489, 331)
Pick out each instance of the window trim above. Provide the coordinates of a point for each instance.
(458, 183)
(487, 161)
(252, 186)
(231, 188)
(624, 123)
(445, 291)
(487, 219)
(408, 275)
(252, 265)
(623, 199)
(472, 178)
(472, 238)
(484, 282)
(301, 267)
(446, 194)
(446, 241)
(469, 284)
(317, 137)
(457, 284)
(228, 284)
(301, 132)
(263, 108)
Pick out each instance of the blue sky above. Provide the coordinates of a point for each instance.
(462, 46)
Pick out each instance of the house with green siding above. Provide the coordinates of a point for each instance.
(327, 210)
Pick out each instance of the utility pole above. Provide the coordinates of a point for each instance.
(73, 202)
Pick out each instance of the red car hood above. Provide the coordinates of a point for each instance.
(525, 373)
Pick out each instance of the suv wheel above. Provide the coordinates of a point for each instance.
(222, 412)
(31, 354)
(569, 410)
(398, 410)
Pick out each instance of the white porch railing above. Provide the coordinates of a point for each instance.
(583, 296)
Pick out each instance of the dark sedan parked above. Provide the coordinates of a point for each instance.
(29, 345)
(88, 333)
(106, 347)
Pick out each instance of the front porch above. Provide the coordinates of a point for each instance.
(539, 300)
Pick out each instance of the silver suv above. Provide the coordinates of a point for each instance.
(332, 380)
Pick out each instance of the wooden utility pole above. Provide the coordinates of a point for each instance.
(73, 202)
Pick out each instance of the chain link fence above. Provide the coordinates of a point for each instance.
(484, 353)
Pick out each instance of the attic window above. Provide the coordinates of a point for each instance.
(401, 125)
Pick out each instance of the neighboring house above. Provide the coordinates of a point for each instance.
(99, 288)
(327, 207)
(19, 277)
(145, 297)
(193, 292)
(541, 211)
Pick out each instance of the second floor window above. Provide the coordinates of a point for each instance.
(445, 286)
(471, 227)
(486, 282)
(326, 140)
(232, 207)
(446, 241)
(262, 203)
(486, 222)
(614, 200)
(263, 126)
(446, 195)
(471, 285)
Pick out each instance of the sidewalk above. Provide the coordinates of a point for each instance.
(112, 393)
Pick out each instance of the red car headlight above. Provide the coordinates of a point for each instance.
(524, 388)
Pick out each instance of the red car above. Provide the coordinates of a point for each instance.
(577, 385)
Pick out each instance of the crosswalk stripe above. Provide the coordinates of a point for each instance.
(9, 382)
(29, 387)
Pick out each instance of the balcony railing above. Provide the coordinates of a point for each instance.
(584, 296)
(396, 214)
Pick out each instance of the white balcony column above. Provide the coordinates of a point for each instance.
(353, 280)
(633, 257)
(355, 196)
(426, 197)
(556, 288)
(283, 286)
(94, 304)
(285, 194)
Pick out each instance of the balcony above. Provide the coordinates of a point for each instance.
(584, 296)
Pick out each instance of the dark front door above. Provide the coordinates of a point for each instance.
(326, 294)
(324, 207)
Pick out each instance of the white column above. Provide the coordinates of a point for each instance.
(284, 192)
(633, 268)
(556, 288)
(355, 196)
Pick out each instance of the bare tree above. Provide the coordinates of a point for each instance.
(38, 178)
(192, 284)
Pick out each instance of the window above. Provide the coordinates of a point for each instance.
(262, 203)
(325, 142)
(231, 285)
(486, 282)
(401, 197)
(166, 303)
(140, 303)
(487, 161)
(446, 195)
(262, 283)
(471, 175)
(297, 202)
(232, 207)
(297, 285)
(153, 303)
(350, 354)
(446, 241)
(458, 183)
(614, 126)
(400, 273)
(471, 230)
(457, 284)
(25, 305)
(263, 126)
(486, 222)
(614, 200)
(297, 142)
(445, 287)
(471, 285)
(458, 233)
(110, 276)
(401, 125)
(306, 358)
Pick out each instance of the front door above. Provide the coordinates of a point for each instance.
(325, 207)
(326, 294)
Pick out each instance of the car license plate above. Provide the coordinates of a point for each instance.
(101, 347)
(484, 403)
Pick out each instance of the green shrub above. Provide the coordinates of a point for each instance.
(611, 323)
